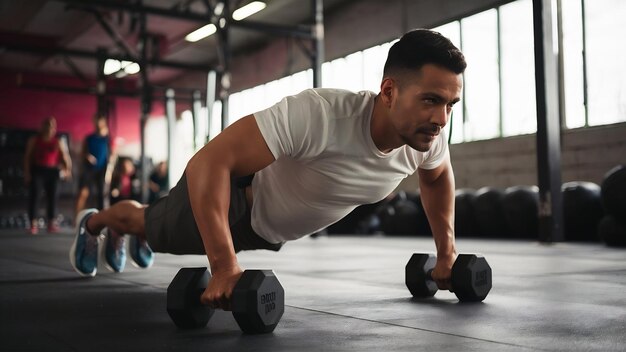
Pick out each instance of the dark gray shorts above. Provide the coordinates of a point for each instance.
(171, 227)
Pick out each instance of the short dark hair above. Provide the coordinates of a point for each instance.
(423, 46)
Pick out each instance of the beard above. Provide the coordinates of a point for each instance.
(422, 140)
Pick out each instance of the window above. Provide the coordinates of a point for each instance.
(480, 46)
(517, 60)
(373, 64)
(572, 24)
(606, 55)
(452, 31)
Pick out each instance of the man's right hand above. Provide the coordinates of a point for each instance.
(92, 159)
(220, 288)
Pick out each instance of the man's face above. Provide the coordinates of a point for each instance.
(50, 127)
(421, 105)
(101, 123)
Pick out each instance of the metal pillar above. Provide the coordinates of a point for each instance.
(146, 106)
(548, 124)
(225, 58)
(196, 115)
(101, 85)
(211, 88)
(170, 115)
(317, 10)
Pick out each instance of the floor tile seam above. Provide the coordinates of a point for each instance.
(110, 276)
(416, 328)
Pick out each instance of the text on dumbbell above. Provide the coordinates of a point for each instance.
(481, 278)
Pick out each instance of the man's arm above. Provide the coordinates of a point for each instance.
(65, 159)
(238, 151)
(437, 193)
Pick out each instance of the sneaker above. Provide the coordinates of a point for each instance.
(84, 251)
(140, 253)
(114, 251)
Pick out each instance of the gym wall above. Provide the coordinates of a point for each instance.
(586, 155)
(25, 109)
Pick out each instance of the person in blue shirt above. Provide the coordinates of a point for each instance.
(96, 156)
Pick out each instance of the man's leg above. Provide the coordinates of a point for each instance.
(33, 200)
(51, 187)
(125, 217)
(83, 194)
(99, 180)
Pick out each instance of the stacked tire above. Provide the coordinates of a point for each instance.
(582, 211)
(612, 228)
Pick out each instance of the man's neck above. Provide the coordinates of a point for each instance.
(382, 134)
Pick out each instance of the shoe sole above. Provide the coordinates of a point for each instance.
(73, 249)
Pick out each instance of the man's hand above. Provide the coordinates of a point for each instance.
(442, 272)
(66, 174)
(220, 288)
(91, 159)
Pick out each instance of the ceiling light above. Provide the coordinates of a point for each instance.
(201, 33)
(239, 14)
(248, 10)
(111, 66)
(132, 68)
(219, 8)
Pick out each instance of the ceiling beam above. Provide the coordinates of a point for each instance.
(39, 50)
(301, 31)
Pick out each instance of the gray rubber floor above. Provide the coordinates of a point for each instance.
(342, 294)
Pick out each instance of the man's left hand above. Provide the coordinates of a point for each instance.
(442, 273)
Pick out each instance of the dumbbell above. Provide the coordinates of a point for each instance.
(471, 276)
(257, 302)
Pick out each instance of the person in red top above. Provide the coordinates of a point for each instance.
(44, 153)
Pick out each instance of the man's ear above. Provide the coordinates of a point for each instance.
(387, 90)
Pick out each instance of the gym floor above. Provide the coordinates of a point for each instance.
(342, 294)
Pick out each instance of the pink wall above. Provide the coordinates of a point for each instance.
(24, 108)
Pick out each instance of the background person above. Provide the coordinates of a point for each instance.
(96, 159)
(44, 152)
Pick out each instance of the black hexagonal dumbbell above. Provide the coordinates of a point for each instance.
(471, 276)
(257, 302)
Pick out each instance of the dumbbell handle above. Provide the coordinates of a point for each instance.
(429, 276)
(201, 292)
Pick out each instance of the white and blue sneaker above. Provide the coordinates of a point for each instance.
(140, 252)
(84, 251)
(114, 251)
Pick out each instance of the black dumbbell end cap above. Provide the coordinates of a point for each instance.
(471, 278)
(258, 301)
(183, 298)
(417, 277)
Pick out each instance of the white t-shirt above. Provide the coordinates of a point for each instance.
(326, 163)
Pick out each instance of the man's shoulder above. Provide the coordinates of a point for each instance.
(96, 136)
(337, 94)
(340, 102)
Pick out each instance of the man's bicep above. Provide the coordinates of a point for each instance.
(241, 147)
(427, 176)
